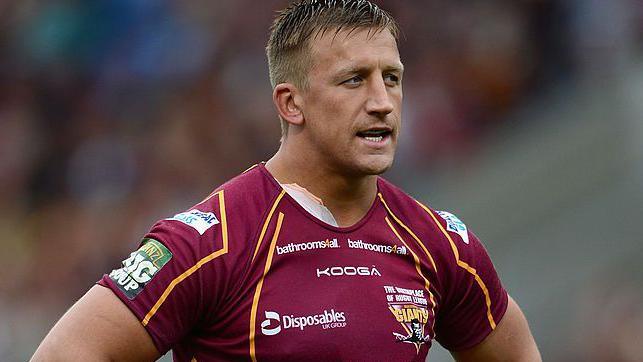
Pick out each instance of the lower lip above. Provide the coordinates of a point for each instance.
(384, 141)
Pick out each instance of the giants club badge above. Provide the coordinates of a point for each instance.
(410, 309)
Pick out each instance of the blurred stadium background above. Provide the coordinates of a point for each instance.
(524, 117)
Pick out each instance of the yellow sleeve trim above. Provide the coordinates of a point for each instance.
(255, 299)
(198, 265)
(465, 266)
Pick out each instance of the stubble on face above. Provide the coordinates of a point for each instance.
(352, 105)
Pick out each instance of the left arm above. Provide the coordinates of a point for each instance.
(510, 341)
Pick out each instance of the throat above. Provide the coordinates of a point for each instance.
(345, 198)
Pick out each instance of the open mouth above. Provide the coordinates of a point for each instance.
(375, 135)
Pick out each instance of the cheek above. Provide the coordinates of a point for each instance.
(398, 98)
(335, 115)
(337, 101)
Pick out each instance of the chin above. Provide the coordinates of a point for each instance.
(376, 167)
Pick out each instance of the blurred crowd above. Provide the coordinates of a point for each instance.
(116, 113)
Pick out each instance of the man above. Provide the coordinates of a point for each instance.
(311, 256)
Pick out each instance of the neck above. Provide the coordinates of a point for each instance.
(347, 197)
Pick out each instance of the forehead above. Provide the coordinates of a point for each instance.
(354, 47)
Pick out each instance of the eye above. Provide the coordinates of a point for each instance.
(391, 79)
(353, 81)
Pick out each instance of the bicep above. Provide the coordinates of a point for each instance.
(98, 327)
(510, 341)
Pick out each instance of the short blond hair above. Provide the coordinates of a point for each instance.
(288, 48)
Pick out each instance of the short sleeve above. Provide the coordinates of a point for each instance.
(164, 282)
(475, 300)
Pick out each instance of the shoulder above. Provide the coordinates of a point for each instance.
(407, 208)
(230, 212)
(444, 224)
(442, 233)
(421, 222)
(253, 189)
(201, 247)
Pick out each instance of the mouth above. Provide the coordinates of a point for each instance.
(376, 135)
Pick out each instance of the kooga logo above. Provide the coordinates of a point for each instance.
(336, 271)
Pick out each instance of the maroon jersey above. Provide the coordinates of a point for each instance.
(248, 274)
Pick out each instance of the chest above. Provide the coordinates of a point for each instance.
(314, 293)
(356, 296)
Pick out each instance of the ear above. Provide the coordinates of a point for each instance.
(288, 101)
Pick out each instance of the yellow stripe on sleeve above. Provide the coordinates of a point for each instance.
(465, 266)
(197, 266)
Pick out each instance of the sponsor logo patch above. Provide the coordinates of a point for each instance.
(409, 308)
(140, 267)
(337, 271)
(379, 248)
(328, 319)
(455, 225)
(199, 220)
(311, 245)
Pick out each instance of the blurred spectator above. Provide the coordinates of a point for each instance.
(115, 113)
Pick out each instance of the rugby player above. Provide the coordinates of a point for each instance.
(312, 255)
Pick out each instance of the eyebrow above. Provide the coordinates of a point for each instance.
(342, 72)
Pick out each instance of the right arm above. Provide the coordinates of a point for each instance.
(141, 310)
(99, 327)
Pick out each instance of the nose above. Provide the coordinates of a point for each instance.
(379, 101)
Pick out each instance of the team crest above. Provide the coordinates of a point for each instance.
(410, 309)
(415, 336)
